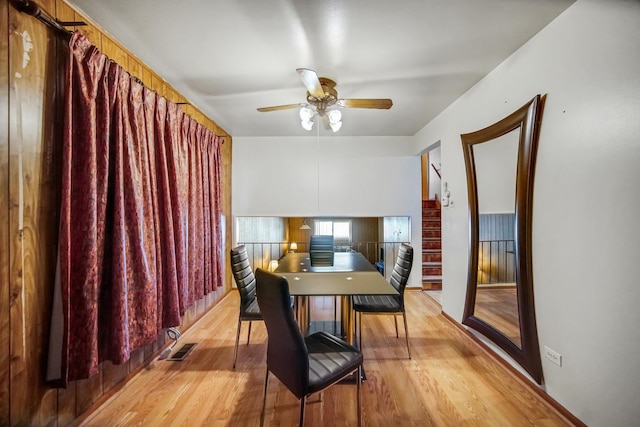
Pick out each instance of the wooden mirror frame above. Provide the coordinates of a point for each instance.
(527, 119)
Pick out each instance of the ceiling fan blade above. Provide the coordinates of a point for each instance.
(280, 107)
(311, 82)
(382, 104)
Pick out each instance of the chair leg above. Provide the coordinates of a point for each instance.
(406, 332)
(235, 350)
(395, 322)
(303, 402)
(264, 398)
(359, 329)
(359, 394)
(249, 333)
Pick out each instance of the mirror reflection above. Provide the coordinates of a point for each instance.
(269, 239)
(500, 164)
(496, 293)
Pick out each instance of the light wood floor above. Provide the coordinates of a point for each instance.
(449, 382)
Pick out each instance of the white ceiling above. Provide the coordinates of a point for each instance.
(229, 57)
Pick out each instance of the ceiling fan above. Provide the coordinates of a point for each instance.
(322, 99)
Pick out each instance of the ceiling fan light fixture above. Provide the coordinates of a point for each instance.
(306, 114)
(323, 101)
(307, 124)
(335, 116)
(335, 120)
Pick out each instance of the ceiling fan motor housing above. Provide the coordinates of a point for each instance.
(330, 95)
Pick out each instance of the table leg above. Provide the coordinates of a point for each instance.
(302, 314)
(346, 317)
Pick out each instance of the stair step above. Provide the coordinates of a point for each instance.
(431, 256)
(431, 233)
(431, 244)
(428, 213)
(432, 285)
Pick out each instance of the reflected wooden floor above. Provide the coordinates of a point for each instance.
(499, 307)
(449, 382)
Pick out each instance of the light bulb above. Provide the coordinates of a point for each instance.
(307, 124)
(335, 116)
(305, 114)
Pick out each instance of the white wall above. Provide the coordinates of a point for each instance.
(586, 232)
(434, 180)
(329, 176)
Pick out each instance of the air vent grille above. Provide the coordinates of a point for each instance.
(183, 352)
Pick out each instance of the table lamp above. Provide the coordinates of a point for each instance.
(293, 246)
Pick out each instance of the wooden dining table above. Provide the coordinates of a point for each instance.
(350, 274)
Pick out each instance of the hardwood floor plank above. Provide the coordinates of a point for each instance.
(449, 381)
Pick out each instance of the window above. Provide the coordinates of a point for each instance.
(340, 230)
(259, 229)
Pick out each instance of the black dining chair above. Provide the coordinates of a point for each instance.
(305, 365)
(246, 283)
(321, 242)
(388, 304)
(321, 254)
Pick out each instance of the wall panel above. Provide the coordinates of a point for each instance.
(5, 326)
(33, 200)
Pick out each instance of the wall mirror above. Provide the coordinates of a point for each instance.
(500, 165)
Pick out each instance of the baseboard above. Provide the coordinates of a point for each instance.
(552, 403)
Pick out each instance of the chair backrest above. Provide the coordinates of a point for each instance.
(321, 250)
(321, 243)
(243, 275)
(401, 270)
(287, 354)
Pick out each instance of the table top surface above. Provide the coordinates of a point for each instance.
(299, 262)
(351, 274)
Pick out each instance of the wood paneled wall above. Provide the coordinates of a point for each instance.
(31, 93)
(363, 229)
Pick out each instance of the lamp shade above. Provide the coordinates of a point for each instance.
(293, 246)
(307, 124)
(304, 225)
(335, 116)
(306, 114)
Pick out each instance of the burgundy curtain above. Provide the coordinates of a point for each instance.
(140, 237)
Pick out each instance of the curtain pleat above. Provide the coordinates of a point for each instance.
(140, 237)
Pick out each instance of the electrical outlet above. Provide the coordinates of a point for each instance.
(554, 356)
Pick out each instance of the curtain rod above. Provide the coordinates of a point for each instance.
(33, 9)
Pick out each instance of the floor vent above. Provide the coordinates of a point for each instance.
(183, 352)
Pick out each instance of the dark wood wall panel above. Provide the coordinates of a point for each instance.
(34, 206)
(363, 229)
(30, 135)
(5, 326)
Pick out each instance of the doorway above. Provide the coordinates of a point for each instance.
(431, 223)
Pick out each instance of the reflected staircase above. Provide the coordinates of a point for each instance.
(431, 245)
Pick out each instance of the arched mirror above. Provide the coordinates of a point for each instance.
(500, 164)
